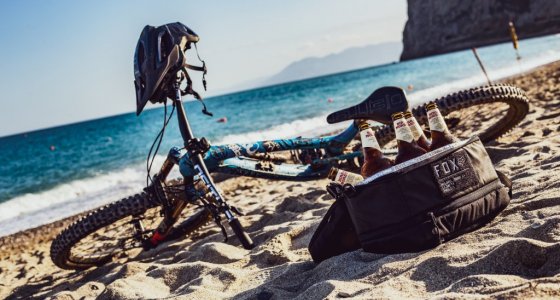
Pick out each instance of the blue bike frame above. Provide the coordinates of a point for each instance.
(235, 158)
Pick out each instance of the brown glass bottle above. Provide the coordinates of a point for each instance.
(417, 131)
(342, 177)
(438, 129)
(374, 160)
(408, 148)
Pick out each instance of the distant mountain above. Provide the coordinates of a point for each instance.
(349, 59)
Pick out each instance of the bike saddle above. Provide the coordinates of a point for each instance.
(379, 106)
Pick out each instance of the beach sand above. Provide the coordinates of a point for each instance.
(516, 256)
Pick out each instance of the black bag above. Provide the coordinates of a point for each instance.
(335, 234)
(418, 204)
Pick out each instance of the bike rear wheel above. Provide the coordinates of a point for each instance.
(513, 97)
(111, 231)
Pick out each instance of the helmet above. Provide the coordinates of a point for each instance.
(158, 57)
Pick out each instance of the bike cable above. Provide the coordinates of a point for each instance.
(152, 153)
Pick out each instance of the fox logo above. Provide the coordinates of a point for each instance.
(447, 167)
(454, 173)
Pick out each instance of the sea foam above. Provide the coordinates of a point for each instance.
(67, 199)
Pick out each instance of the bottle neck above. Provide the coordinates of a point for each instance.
(436, 121)
(332, 173)
(402, 132)
(414, 128)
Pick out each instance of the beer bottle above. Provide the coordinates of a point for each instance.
(342, 177)
(374, 160)
(438, 129)
(408, 148)
(417, 131)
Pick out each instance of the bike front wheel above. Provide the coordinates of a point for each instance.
(112, 231)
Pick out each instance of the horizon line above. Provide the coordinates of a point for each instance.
(233, 92)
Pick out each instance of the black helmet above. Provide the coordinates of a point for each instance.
(159, 56)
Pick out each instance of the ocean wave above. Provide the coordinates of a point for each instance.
(67, 199)
(307, 127)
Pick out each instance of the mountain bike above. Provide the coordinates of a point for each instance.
(173, 209)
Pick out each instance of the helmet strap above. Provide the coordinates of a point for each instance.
(202, 69)
(203, 66)
(190, 91)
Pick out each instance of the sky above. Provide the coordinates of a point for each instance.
(67, 61)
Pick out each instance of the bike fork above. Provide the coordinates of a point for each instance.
(223, 207)
(172, 211)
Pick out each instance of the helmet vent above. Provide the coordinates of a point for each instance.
(165, 44)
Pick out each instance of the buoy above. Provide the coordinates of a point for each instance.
(52, 148)
(222, 120)
(330, 100)
(514, 39)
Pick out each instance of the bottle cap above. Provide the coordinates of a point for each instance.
(332, 173)
(363, 125)
(407, 114)
(431, 105)
(397, 115)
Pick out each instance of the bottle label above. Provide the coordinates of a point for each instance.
(436, 121)
(344, 177)
(368, 139)
(402, 132)
(414, 127)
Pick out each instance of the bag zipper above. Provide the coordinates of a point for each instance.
(421, 218)
(470, 197)
(412, 164)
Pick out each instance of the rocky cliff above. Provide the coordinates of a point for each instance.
(440, 26)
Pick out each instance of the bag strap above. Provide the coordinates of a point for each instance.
(339, 191)
(335, 190)
(505, 181)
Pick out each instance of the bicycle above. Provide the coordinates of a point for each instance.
(172, 209)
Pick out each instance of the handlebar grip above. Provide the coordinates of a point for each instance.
(241, 234)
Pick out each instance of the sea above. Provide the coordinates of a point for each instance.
(54, 173)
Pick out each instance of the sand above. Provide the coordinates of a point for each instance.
(516, 256)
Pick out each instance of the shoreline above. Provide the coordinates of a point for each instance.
(283, 215)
